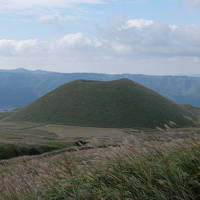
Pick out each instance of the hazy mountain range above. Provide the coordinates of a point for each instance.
(21, 87)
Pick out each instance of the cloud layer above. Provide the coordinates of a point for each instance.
(27, 4)
(193, 2)
(128, 42)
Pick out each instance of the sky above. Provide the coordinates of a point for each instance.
(157, 37)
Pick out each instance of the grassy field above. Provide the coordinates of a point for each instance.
(145, 165)
(3, 115)
(75, 132)
(115, 164)
(25, 138)
(18, 139)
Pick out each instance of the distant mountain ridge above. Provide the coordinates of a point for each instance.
(23, 70)
(21, 87)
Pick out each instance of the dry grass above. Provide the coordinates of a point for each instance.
(25, 178)
(18, 139)
(71, 132)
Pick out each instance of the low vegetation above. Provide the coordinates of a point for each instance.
(141, 168)
(20, 87)
(19, 139)
(113, 164)
(156, 176)
(3, 115)
(14, 150)
(112, 104)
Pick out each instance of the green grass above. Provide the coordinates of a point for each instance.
(158, 176)
(115, 104)
(14, 150)
(19, 139)
(24, 138)
(137, 168)
(3, 115)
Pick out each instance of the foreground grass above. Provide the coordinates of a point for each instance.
(158, 177)
(137, 170)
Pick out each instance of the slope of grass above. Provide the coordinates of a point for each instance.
(194, 110)
(138, 169)
(14, 150)
(120, 104)
(3, 115)
(19, 88)
(19, 139)
(175, 176)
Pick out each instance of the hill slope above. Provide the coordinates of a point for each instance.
(121, 104)
(21, 87)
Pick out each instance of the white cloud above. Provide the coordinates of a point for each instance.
(193, 2)
(134, 41)
(75, 45)
(46, 4)
(140, 38)
(55, 17)
(73, 40)
(14, 48)
(137, 23)
(44, 10)
(154, 39)
(121, 48)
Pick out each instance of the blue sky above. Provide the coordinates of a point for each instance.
(88, 18)
(110, 36)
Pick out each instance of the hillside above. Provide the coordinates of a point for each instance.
(120, 104)
(21, 87)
